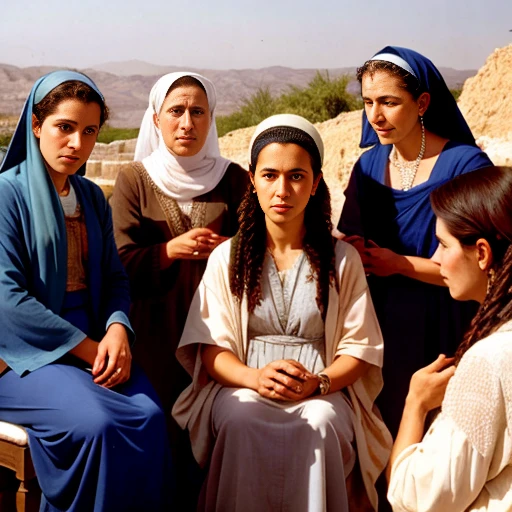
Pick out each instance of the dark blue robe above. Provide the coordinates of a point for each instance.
(93, 448)
(418, 320)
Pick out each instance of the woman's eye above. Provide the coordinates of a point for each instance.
(176, 111)
(268, 176)
(64, 127)
(90, 131)
(297, 177)
(198, 112)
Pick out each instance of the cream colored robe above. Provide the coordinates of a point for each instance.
(351, 328)
(464, 462)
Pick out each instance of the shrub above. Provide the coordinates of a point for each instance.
(323, 98)
(456, 93)
(109, 134)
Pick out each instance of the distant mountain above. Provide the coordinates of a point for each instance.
(135, 67)
(126, 85)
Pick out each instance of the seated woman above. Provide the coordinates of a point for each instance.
(283, 345)
(96, 430)
(464, 462)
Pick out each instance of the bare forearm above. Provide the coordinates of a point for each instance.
(86, 350)
(344, 371)
(410, 432)
(421, 269)
(225, 367)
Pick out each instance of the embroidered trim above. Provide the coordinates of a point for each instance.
(177, 221)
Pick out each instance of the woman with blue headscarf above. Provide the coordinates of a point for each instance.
(96, 430)
(419, 140)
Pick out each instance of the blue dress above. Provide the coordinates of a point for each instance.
(93, 449)
(418, 320)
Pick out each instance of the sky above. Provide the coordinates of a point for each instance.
(237, 34)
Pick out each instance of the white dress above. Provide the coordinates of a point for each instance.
(270, 455)
(275, 455)
(464, 462)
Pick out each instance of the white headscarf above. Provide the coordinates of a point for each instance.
(293, 121)
(180, 177)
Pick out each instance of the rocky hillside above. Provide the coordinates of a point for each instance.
(486, 103)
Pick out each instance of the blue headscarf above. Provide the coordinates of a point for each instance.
(44, 218)
(443, 116)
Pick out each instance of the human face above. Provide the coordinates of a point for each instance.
(391, 110)
(284, 182)
(67, 137)
(184, 120)
(462, 268)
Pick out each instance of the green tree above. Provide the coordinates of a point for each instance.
(322, 99)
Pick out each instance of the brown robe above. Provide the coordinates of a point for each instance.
(144, 219)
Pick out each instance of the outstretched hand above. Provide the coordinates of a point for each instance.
(196, 244)
(286, 379)
(112, 365)
(376, 260)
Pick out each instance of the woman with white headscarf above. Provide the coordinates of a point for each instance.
(171, 208)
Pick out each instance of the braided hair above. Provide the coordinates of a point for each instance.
(250, 243)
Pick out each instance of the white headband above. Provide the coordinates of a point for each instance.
(395, 59)
(292, 121)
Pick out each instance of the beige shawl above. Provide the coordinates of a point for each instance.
(351, 328)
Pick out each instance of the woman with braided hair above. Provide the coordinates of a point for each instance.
(464, 462)
(284, 347)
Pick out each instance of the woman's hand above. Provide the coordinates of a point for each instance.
(376, 260)
(286, 380)
(379, 260)
(196, 244)
(357, 241)
(112, 365)
(428, 385)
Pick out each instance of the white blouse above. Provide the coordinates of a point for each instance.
(464, 462)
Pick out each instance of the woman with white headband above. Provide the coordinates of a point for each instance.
(171, 207)
(284, 347)
(419, 140)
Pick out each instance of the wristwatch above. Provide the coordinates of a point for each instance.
(324, 384)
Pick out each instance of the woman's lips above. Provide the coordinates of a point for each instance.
(281, 208)
(383, 131)
(70, 158)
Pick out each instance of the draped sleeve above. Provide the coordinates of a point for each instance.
(31, 334)
(351, 328)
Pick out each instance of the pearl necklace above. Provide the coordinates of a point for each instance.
(408, 170)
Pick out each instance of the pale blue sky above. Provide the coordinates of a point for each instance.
(224, 34)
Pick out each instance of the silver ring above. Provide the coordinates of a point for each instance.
(118, 371)
(195, 253)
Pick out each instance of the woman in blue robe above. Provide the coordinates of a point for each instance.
(420, 140)
(96, 430)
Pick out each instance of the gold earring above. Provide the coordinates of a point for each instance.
(491, 276)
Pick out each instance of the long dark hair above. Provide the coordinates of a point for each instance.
(250, 243)
(479, 205)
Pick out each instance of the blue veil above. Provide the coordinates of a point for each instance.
(44, 219)
(443, 116)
